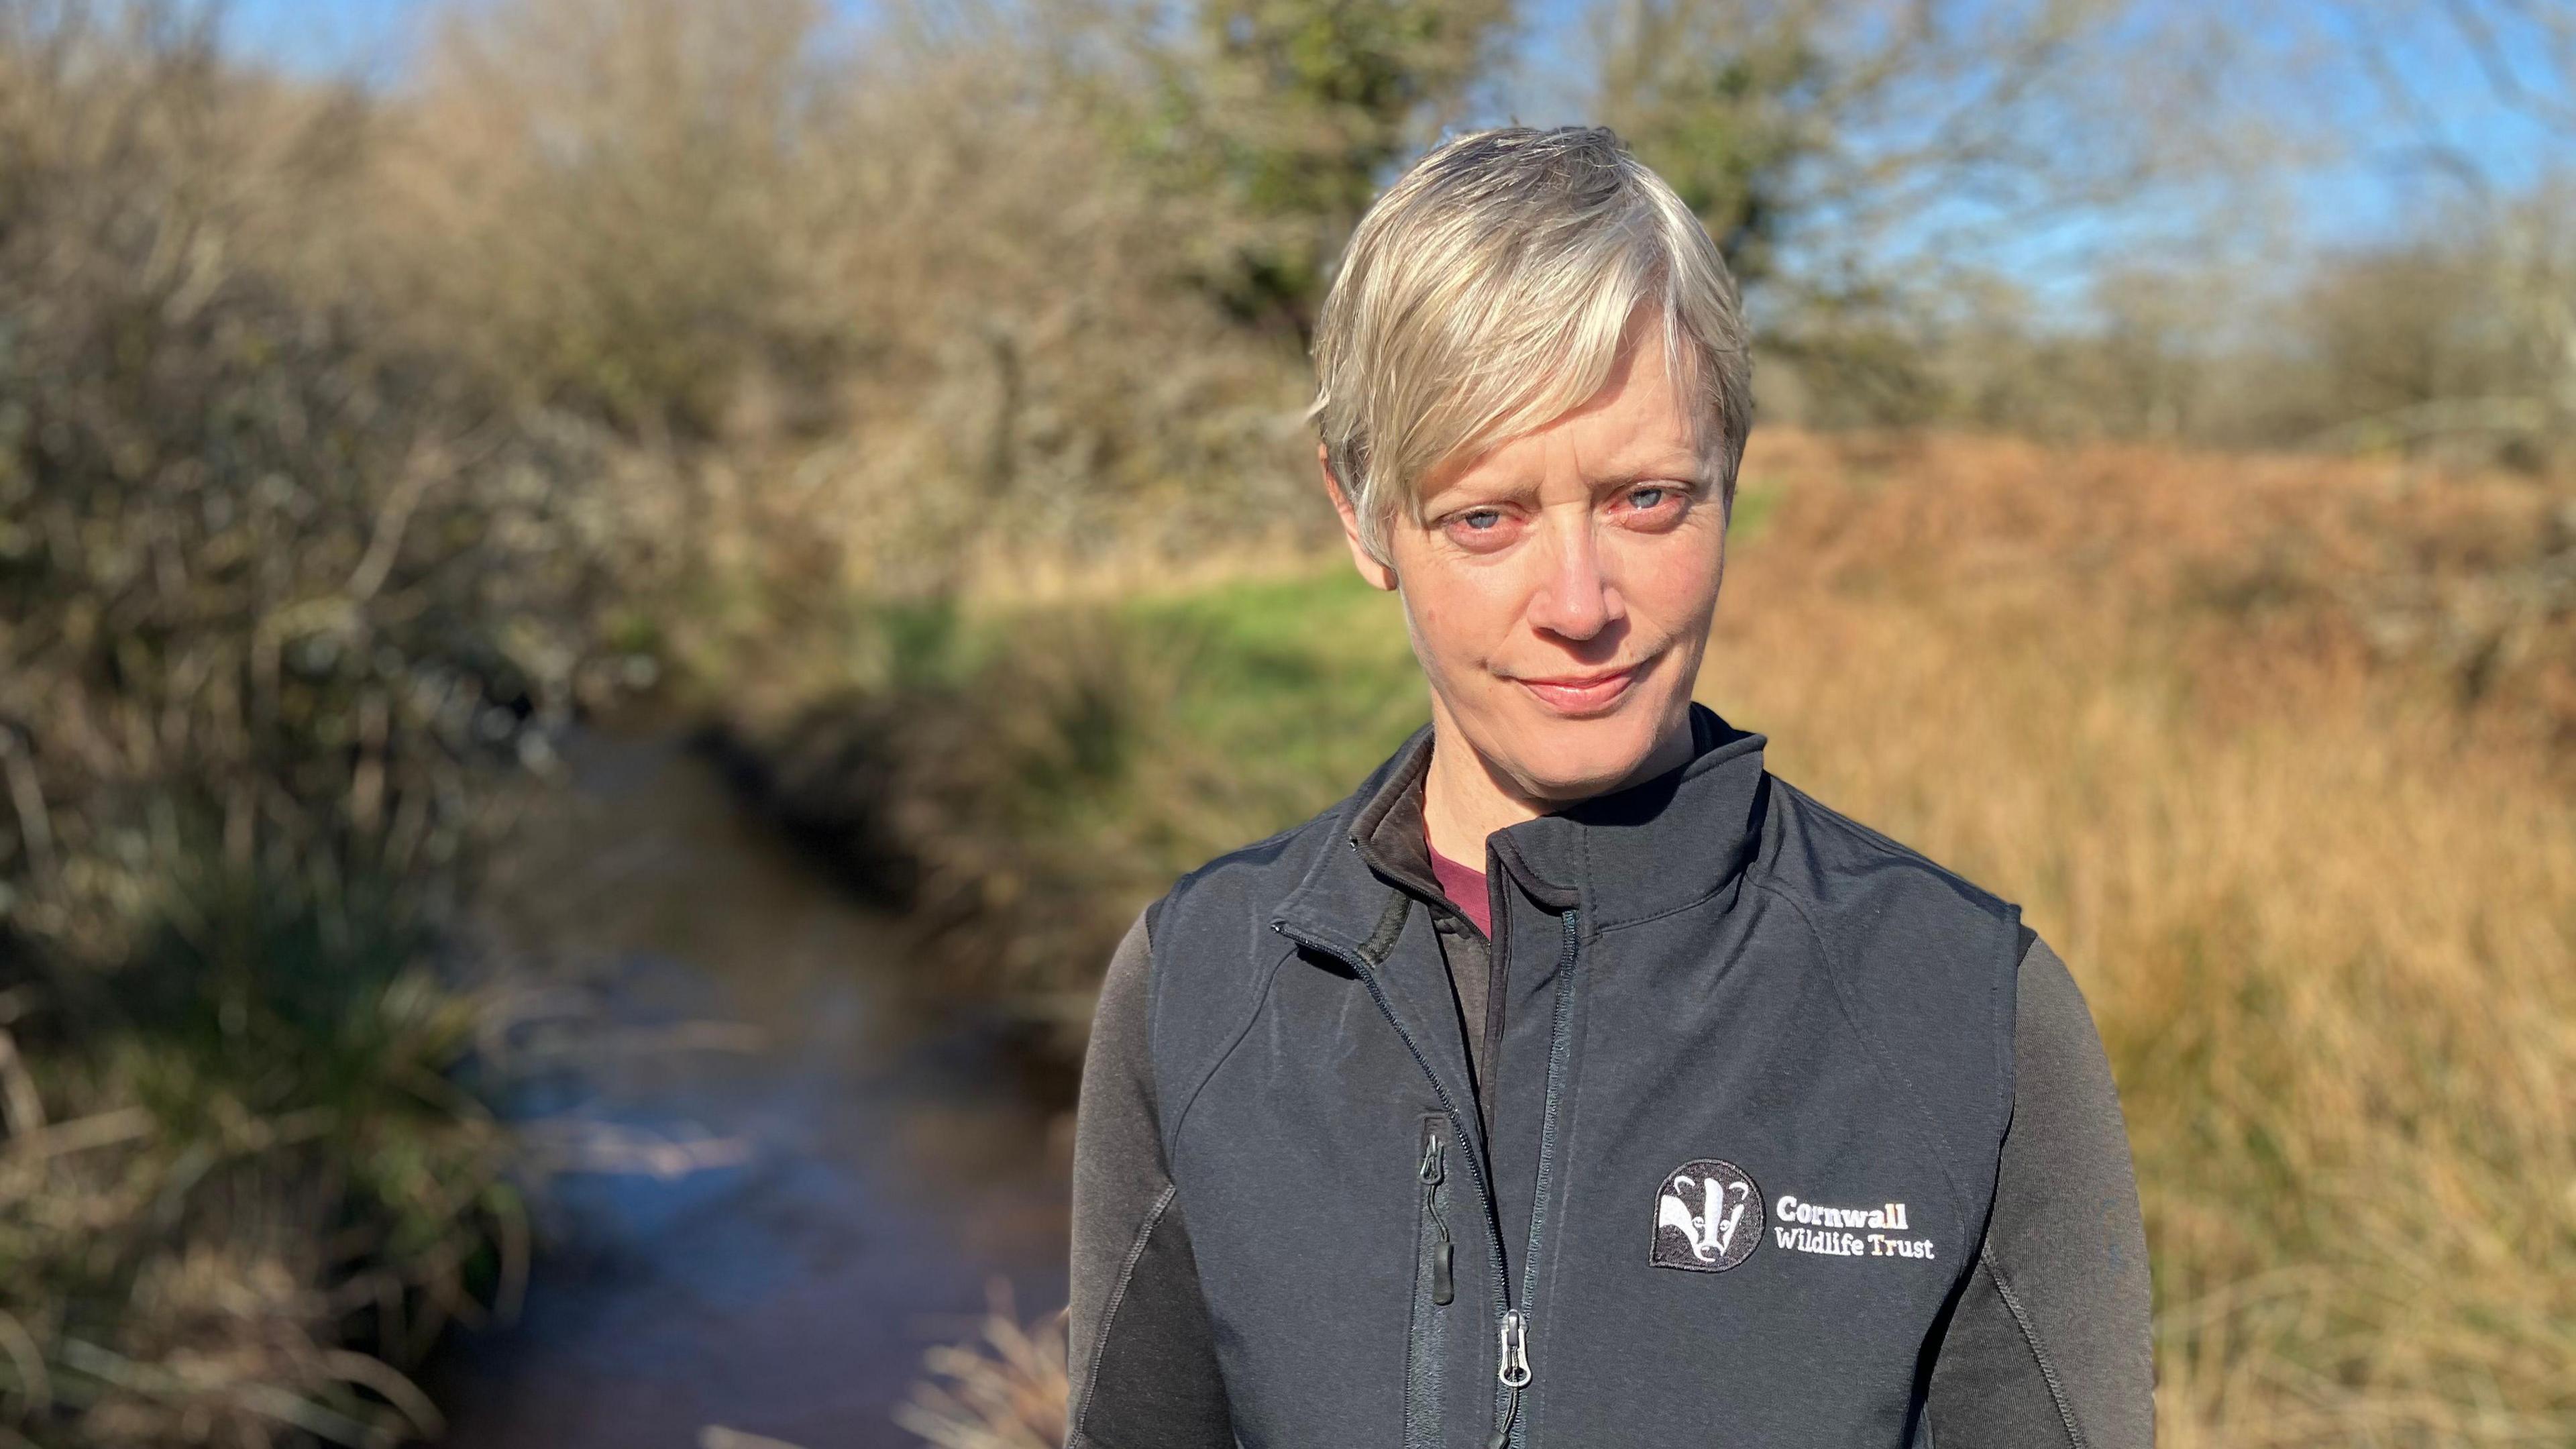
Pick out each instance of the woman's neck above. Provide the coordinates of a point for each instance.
(1465, 799)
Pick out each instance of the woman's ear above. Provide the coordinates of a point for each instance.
(1378, 574)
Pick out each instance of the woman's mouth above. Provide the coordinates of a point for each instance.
(1583, 694)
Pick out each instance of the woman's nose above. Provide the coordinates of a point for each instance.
(1575, 596)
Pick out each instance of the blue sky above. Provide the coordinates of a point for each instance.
(2288, 62)
(360, 36)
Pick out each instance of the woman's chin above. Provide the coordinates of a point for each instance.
(1575, 759)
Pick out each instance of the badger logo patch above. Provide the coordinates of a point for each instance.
(1708, 1217)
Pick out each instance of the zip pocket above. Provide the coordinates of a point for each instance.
(1435, 1287)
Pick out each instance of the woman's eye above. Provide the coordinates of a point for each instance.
(1654, 507)
(1483, 529)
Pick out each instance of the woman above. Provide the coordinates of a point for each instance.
(1575, 1081)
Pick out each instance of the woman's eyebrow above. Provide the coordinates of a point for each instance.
(1679, 468)
(1467, 495)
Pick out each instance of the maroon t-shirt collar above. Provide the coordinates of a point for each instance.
(1464, 885)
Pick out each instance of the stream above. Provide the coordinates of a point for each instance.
(798, 1176)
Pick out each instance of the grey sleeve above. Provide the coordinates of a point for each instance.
(1142, 1362)
(2050, 1342)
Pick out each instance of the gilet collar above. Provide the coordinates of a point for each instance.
(1654, 847)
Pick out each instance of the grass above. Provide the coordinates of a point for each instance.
(2321, 895)
(1308, 677)
(240, 1199)
(1005, 1390)
(2278, 754)
(290, 612)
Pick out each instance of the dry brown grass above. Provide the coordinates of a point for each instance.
(1005, 1390)
(2274, 752)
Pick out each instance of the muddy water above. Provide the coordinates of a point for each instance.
(796, 1178)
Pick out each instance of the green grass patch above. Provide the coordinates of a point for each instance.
(1310, 681)
(1756, 501)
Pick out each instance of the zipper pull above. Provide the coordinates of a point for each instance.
(1444, 1286)
(1512, 1366)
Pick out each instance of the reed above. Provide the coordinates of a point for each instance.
(1005, 1389)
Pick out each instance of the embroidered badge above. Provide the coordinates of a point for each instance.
(1708, 1217)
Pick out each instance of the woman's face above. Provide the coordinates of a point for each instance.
(1560, 588)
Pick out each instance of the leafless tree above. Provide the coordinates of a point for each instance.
(2502, 237)
(1824, 140)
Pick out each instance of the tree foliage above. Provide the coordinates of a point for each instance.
(1292, 113)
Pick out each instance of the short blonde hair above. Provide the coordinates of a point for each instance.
(1489, 291)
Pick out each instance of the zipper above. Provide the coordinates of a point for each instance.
(1512, 1368)
(1444, 1284)
(1426, 1344)
(1512, 1371)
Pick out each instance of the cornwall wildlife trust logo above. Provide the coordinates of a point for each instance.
(1708, 1217)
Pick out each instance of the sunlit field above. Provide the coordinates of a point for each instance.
(2272, 753)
